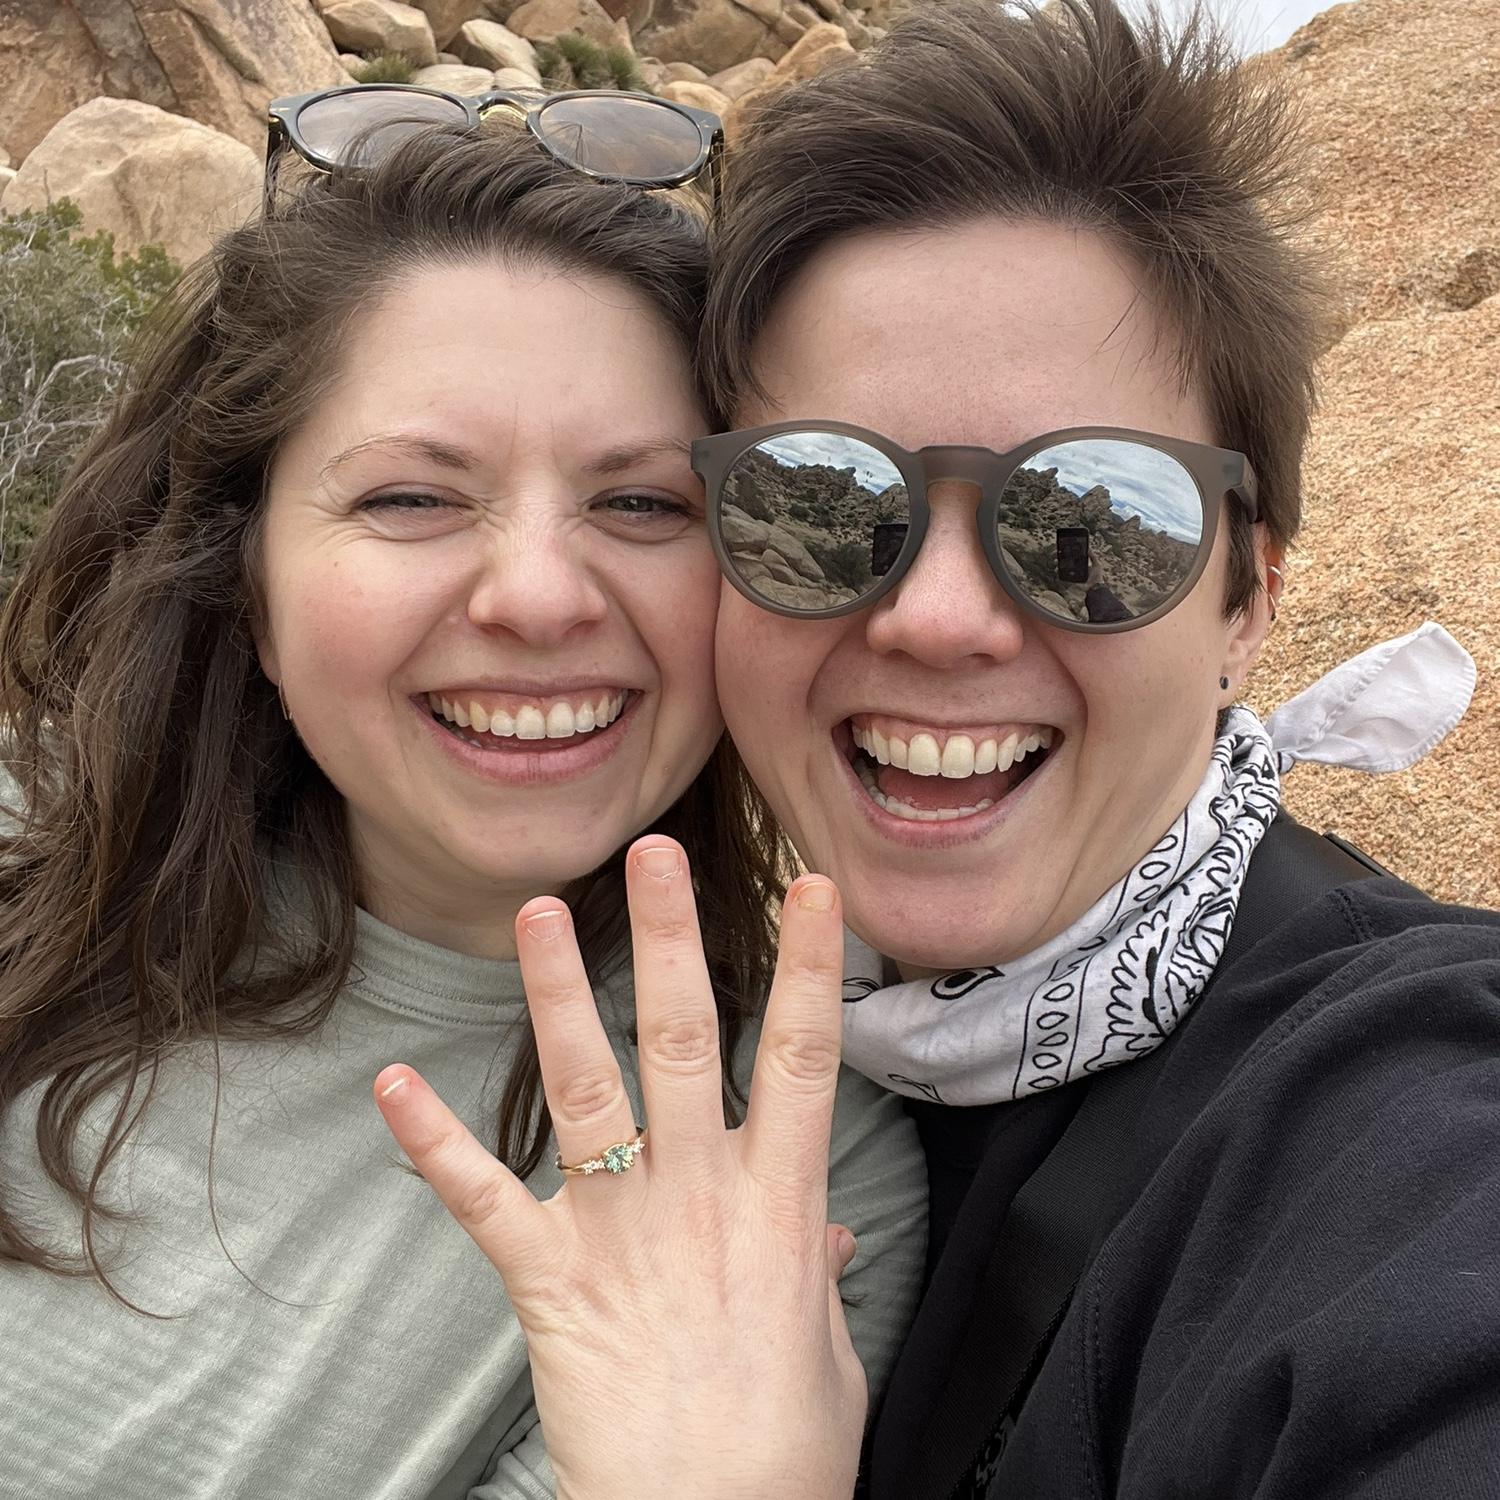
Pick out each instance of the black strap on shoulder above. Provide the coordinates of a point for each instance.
(1066, 1207)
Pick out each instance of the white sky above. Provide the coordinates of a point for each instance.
(1259, 24)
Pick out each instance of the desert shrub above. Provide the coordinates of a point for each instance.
(575, 61)
(68, 303)
(385, 67)
(847, 563)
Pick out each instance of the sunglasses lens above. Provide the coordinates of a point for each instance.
(1100, 530)
(615, 135)
(812, 520)
(360, 126)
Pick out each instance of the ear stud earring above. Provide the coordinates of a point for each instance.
(1223, 683)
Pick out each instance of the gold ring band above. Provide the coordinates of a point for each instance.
(615, 1159)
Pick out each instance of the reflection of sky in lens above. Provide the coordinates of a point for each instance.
(1141, 481)
(871, 468)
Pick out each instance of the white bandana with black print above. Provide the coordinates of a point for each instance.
(1108, 990)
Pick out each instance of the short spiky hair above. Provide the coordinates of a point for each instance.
(1156, 137)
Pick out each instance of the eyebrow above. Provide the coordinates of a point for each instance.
(444, 455)
(628, 455)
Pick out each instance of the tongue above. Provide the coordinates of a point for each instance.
(934, 793)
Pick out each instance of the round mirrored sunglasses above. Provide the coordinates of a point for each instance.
(1092, 529)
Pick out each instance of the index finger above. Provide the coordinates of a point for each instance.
(797, 1063)
(494, 1207)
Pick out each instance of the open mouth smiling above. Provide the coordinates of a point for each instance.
(921, 773)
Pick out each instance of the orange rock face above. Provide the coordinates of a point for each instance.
(1401, 99)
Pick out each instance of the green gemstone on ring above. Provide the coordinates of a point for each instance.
(618, 1159)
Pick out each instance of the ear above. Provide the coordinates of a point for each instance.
(1247, 633)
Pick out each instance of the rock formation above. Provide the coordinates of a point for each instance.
(1402, 101)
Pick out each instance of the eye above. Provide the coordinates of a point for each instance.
(411, 514)
(645, 515)
(405, 500)
(643, 503)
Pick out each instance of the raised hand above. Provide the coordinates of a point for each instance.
(684, 1326)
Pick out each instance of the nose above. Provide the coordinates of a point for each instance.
(949, 608)
(534, 580)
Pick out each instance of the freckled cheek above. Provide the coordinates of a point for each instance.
(677, 620)
(349, 628)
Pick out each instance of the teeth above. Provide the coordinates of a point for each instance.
(922, 756)
(561, 721)
(958, 757)
(912, 814)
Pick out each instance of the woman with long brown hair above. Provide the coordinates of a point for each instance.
(382, 603)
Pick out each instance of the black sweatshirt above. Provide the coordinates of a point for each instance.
(1301, 1300)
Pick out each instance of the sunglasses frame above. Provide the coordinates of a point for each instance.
(1219, 472)
(526, 104)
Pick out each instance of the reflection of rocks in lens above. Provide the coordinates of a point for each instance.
(810, 535)
(1138, 564)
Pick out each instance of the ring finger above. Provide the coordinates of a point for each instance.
(585, 1092)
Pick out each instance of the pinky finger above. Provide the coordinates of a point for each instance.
(491, 1204)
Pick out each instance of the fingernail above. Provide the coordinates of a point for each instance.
(817, 896)
(544, 926)
(396, 1087)
(846, 1247)
(660, 862)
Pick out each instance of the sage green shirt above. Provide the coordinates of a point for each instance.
(327, 1330)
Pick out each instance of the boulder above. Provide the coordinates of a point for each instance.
(446, 16)
(353, 63)
(217, 61)
(456, 79)
(7, 176)
(696, 95)
(1398, 104)
(717, 34)
(822, 47)
(143, 174)
(488, 44)
(743, 533)
(683, 72)
(381, 26)
(546, 20)
(514, 78)
(742, 77)
(794, 551)
(819, 49)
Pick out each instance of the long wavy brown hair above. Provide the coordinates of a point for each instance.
(154, 769)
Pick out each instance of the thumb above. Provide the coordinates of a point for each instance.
(841, 1248)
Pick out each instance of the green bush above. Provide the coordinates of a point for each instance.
(847, 563)
(575, 61)
(385, 67)
(68, 303)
